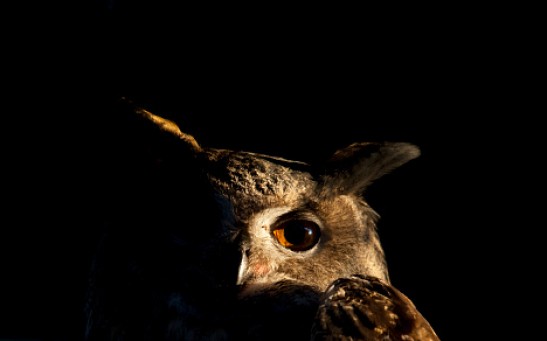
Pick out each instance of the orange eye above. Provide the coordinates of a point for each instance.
(297, 235)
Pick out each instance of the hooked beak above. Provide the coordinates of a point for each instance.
(243, 271)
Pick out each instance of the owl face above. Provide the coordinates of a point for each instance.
(292, 225)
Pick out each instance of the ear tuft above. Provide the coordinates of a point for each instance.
(353, 168)
(165, 125)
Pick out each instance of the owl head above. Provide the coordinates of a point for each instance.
(215, 242)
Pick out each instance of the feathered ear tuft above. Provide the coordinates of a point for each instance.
(162, 125)
(352, 169)
(168, 126)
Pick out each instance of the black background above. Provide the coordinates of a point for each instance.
(293, 82)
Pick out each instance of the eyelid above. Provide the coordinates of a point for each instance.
(297, 215)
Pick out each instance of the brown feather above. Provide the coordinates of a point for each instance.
(367, 308)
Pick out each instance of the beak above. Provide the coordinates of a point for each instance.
(243, 268)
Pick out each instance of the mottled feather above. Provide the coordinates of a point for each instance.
(366, 308)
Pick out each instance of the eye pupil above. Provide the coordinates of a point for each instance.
(297, 235)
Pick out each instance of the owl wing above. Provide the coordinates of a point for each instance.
(366, 308)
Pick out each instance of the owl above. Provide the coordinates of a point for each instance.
(216, 244)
